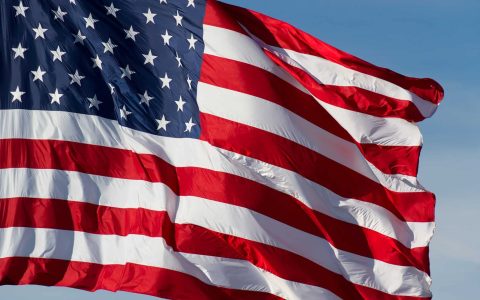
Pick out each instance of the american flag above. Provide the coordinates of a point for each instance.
(190, 149)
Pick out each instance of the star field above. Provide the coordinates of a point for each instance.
(137, 62)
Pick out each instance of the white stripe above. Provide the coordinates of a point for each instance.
(194, 153)
(239, 47)
(219, 217)
(242, 222)
(81, 187)
(262, 114)
(330, 73)
(368, 129)
(373, 130)
(148, 251)
(324, 71)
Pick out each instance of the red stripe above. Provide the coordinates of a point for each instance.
(212, 185)
(85, 158)
(248, 79)
(255, 81)
(283, 35)
(353, 98)
(133, 278)
(216, 14)
(84, 217)
(276, 150)
(393, 159)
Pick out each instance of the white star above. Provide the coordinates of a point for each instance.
(180, 103)
(76, 78)
(57, 54)
(178, 18)
(19, 51)
(55, 97)
(94, 102)
(90, 21)
(59, 14)
(189, 125)
(191, 41)
(109, 46)
(162, 123)
(38, 74)
(179, 60)
(189, 82)
(126, 72)
(79, 38)
(149, 15)
(124, 113)
(40, 31)
(131, 33)
(166, 38)
(149, 58)
(20, 9)
(165, 81)
(191, 3)
(145, 98)
(97, 62)
(112, 88)
(112, 10)
(73, 2)
(163, 1)
(17, 95)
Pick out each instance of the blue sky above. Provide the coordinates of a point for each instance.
(429, 38)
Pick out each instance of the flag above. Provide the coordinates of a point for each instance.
(192, 149)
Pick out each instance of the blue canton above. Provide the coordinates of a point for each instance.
(134, 61)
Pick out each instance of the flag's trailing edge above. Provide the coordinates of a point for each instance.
(198, 150)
